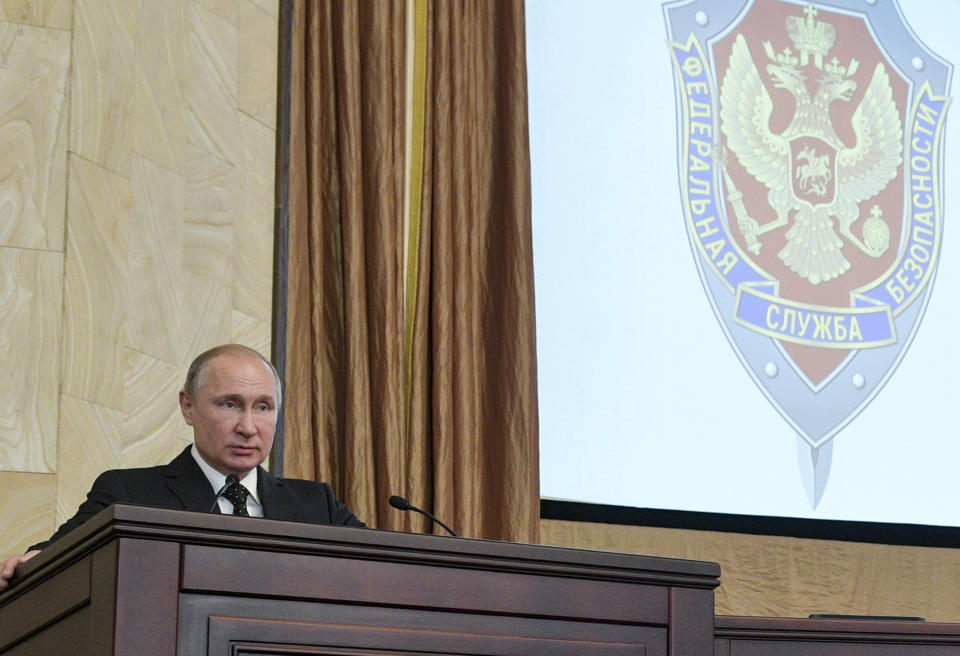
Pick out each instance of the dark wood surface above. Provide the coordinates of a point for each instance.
(769, 636)
(150, 581)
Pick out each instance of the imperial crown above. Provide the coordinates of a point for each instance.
(810, 36)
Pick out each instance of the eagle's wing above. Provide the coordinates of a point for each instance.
(745, 109)
(864, 169)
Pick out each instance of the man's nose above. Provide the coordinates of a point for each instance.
(245, 425)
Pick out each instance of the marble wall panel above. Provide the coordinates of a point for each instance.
(228, 10)
(211, 206)
(252, 277)
(211, 88)
(272, 7)
(206, 315)
(90, 438)
(151, 423)
(34, 64)
(155, 260)
(103, 83)
(138, 102)
(252, 332)
(257, 76)
(158, 120)
(45, 13)
(26, 510)
(30, 300)
(95, 303)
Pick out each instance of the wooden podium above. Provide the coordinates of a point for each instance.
(138, 581)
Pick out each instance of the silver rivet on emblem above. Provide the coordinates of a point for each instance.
(871, 2)
(859, 381)
(771, 370)
(702, 18)
(917, 64)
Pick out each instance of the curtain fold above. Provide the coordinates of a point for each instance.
(431, 396)
(479, 278)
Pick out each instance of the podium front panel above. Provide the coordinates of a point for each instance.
(152, 582)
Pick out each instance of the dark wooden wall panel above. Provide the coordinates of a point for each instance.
(769, 636)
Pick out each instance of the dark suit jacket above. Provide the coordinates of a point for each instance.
(181, 485)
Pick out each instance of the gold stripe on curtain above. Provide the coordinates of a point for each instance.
(415, 121)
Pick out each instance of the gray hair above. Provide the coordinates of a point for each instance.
(197, 373)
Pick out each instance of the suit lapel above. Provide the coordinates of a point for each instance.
(273, 497)
(185, 479)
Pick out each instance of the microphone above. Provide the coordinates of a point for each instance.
(402, 504)
(231, 479)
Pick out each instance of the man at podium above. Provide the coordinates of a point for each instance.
(231, 398)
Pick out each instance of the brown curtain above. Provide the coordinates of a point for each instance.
(429, 394)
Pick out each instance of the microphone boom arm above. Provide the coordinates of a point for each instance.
(402, 504)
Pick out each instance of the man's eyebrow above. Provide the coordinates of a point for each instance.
(235, 396)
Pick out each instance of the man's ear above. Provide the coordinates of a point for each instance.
(186, 407)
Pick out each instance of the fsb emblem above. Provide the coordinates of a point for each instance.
(811, 178)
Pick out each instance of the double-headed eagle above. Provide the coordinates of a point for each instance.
(809, 171)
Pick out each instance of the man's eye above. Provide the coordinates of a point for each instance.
(229, 404)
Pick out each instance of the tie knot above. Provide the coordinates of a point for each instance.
(237, 495)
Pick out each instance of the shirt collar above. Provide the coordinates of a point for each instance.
(218, 480)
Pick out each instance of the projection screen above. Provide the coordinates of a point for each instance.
(746, 275)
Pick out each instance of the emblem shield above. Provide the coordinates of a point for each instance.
(811, 180)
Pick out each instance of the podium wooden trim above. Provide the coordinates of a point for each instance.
(149, 581)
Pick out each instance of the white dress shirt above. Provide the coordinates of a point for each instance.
(218, 480)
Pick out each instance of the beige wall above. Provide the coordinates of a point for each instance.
(136, 229)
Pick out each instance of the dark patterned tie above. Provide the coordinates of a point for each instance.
(237, 495)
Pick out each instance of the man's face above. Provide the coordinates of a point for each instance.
(234, 414)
